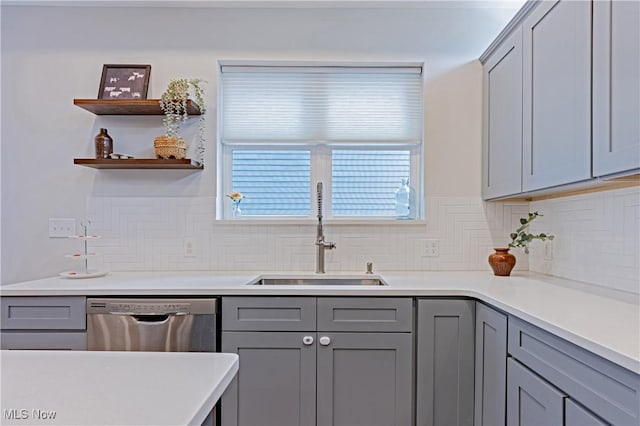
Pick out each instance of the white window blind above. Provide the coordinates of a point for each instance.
(273, 182)
(359, 105)
(359, 129)
(364, 183)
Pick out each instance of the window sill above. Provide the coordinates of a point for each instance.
(328, 222)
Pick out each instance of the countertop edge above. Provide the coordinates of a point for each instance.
(550, 303)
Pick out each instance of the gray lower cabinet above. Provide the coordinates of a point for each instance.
(44, 340)
(576, 415)
(276, 385)
(333, 371)
(445, 362)
(490, 366)
(364, 379)
(56, 323)
(611, 393)
(531, 400)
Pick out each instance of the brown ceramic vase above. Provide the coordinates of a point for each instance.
(502, 262)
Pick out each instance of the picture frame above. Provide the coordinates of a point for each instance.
(124, 81)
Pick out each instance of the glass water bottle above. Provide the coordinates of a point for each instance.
(405, 201)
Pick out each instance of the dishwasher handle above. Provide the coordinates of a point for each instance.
(151, 319)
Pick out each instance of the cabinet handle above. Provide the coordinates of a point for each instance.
(307, 340)
(324, 340)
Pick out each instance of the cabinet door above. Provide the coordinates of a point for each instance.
(491, 367)
(616, 86)
(445, 362)
(276, 384)
(364, 379)
(609, 390)
(557, 94)
(502, 109)
(531, 400)
(576, 415)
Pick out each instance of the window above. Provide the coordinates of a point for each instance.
(356, 129)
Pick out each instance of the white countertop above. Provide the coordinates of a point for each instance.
(112, 388)
(603, 321)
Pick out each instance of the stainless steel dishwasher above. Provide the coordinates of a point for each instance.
(155, 325)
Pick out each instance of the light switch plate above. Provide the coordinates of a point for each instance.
(62, 227)
(189, 247)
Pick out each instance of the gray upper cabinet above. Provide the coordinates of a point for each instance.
(557, 94)
(616, 86)
(502, 109)
(531, 401)
(490, 366)
(445, 362)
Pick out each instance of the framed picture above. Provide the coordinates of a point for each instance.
(124, 82)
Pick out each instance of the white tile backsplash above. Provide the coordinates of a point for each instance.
(597, 238)
(148, 234)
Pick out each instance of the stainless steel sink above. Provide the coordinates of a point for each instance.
(319, 281)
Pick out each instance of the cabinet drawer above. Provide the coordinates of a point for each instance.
(368, 314)
(69, 341)
(43, 313)
(610, 391)
(269, 313)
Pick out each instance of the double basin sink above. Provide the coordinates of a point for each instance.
(320, 280)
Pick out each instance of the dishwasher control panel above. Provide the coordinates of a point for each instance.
(151, 306)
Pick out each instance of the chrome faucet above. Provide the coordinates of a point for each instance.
(321, 244)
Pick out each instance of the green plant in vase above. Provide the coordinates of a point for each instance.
(174, 103)
(502, 262)
(521, 238)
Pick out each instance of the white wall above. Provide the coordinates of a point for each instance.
(52, 55)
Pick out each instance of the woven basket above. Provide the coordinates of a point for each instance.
(170, 148)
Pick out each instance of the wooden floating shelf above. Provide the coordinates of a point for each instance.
(129, 106)
(139, 163)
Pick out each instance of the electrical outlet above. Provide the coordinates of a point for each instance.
(431, 248)
(189, 247)
(548, 250)
(61, 228)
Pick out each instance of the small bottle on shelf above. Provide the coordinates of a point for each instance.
(104, 144)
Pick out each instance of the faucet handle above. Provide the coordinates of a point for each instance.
(369, 268)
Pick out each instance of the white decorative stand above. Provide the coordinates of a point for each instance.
(85, 272)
